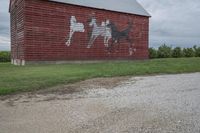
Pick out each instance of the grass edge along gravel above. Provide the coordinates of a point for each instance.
(15, 79)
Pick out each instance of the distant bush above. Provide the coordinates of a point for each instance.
(164, 51)
(152, 53)
(177, 52)
(5, 56)
(188, 52)
(196, 51)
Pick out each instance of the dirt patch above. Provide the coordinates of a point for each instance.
(96, 83)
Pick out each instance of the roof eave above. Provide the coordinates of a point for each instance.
(9, 6)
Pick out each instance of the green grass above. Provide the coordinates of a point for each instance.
(14, 79)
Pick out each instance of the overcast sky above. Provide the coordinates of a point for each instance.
(174, 22)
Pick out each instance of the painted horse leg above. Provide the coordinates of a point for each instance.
(130, 46)
(91, 41)
(118, 43)
(106, 41)
(111, 46)
(68, 43)
(107, 46)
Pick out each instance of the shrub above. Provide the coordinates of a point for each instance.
(5, 56)
(188, 52)
(196, 51)
(164, 51)
(152, 53)
(177, 52)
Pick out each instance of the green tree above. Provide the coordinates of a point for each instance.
(4, 56)
(177, 52)
(196, 51)
(152, 53)
(188, 52)
(164, 51)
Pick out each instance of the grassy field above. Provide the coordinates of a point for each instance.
(14, 79)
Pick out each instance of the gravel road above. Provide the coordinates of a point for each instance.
(150, 104)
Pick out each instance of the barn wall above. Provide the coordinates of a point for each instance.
(47, 29)
(17, 31)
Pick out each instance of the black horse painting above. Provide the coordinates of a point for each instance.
(117, 36)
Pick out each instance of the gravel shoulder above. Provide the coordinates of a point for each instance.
(157, 104)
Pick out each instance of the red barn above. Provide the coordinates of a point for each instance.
(55, 31)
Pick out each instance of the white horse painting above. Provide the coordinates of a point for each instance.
(101, 30)
(74, 27)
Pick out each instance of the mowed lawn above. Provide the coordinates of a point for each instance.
(14, 79)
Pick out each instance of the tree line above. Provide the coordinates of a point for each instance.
(165, 51)
(5, 56)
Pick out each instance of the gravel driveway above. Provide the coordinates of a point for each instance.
(151, 104)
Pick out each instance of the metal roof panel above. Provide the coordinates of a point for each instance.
(125, 6)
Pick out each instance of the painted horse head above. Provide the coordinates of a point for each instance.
(73, 19)
(92, 22)
(112, 26)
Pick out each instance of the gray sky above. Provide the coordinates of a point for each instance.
(174, 22)
(4, 25)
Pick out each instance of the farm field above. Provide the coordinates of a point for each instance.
(15, 79)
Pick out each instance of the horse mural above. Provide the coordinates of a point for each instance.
(74, 27)
(101, 30)
(119, 35)
(108, 30)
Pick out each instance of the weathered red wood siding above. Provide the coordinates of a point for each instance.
(44, 28)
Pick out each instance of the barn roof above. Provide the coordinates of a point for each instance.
(125, 6)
